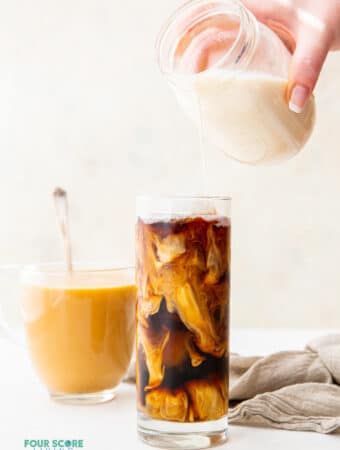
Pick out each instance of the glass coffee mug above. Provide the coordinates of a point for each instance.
(79, 326)
(183, 280)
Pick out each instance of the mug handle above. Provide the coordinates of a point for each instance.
(12, 275)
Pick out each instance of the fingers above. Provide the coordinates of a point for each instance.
(274, 10)
(309, 56)
(313, 38)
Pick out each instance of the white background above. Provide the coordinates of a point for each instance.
(82, 105)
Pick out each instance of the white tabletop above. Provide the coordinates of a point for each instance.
(26, 412)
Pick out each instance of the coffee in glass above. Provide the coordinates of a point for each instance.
(183, 280)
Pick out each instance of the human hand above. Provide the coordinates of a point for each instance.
(310, 29)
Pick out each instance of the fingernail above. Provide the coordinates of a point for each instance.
(298, 98)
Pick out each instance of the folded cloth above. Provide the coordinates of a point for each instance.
(292, 390)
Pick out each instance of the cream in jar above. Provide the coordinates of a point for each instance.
(230, 75)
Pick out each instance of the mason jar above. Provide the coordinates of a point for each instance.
(230, 75)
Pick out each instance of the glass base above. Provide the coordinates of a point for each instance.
(175, 435)
(84, 398)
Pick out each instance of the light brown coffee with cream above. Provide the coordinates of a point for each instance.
(80, 332)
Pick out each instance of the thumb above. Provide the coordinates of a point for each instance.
(309, 56)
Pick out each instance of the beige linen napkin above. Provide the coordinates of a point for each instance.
(293, 390)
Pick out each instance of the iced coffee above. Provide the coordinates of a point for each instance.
(183, 281)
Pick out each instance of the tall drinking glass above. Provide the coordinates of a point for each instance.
(183, 281)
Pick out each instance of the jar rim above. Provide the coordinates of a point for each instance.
(239, 52)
